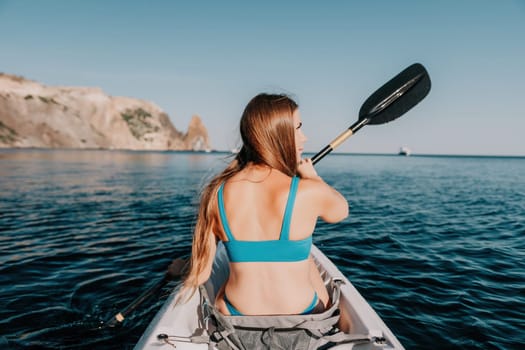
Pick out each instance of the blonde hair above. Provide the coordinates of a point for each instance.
(268, 137)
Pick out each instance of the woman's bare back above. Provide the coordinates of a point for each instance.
(255, 201)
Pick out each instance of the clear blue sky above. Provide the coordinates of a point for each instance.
(210, 57)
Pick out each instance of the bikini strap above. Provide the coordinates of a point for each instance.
(285, 228)
(222, 213)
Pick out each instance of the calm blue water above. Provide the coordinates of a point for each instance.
(435, 244)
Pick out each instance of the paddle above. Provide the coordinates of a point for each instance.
(389, 102)
(176, 269)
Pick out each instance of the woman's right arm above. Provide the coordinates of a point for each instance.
(333, 206)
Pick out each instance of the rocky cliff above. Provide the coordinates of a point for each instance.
(35, 115)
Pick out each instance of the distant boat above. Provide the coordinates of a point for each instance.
(405, 151)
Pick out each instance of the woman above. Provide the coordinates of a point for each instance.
(264, 207)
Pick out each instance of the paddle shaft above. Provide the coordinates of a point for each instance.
(119, 317)
(339, 140)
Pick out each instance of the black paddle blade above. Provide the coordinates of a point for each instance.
(397, 96)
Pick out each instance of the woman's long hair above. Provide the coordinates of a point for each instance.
(268, 137)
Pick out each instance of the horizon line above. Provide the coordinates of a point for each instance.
(215, 151)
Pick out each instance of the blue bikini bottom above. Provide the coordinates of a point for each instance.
(234, 312)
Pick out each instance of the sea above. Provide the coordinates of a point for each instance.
(435, 244)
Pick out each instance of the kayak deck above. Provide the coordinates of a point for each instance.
(180, 321)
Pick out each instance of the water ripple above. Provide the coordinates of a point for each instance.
(433, 243)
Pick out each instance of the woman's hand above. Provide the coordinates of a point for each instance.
(178, 268)
(306, 169)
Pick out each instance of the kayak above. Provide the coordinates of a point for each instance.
(174, 324)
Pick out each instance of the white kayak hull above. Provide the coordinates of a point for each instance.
(182, 320)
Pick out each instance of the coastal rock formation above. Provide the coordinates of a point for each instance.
(35, 115)
(196, 137)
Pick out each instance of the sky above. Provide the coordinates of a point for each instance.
(210, 58)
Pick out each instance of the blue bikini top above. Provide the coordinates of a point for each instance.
(281, 250)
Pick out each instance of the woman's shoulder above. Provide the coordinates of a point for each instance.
(313, 185)
(332, 205)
